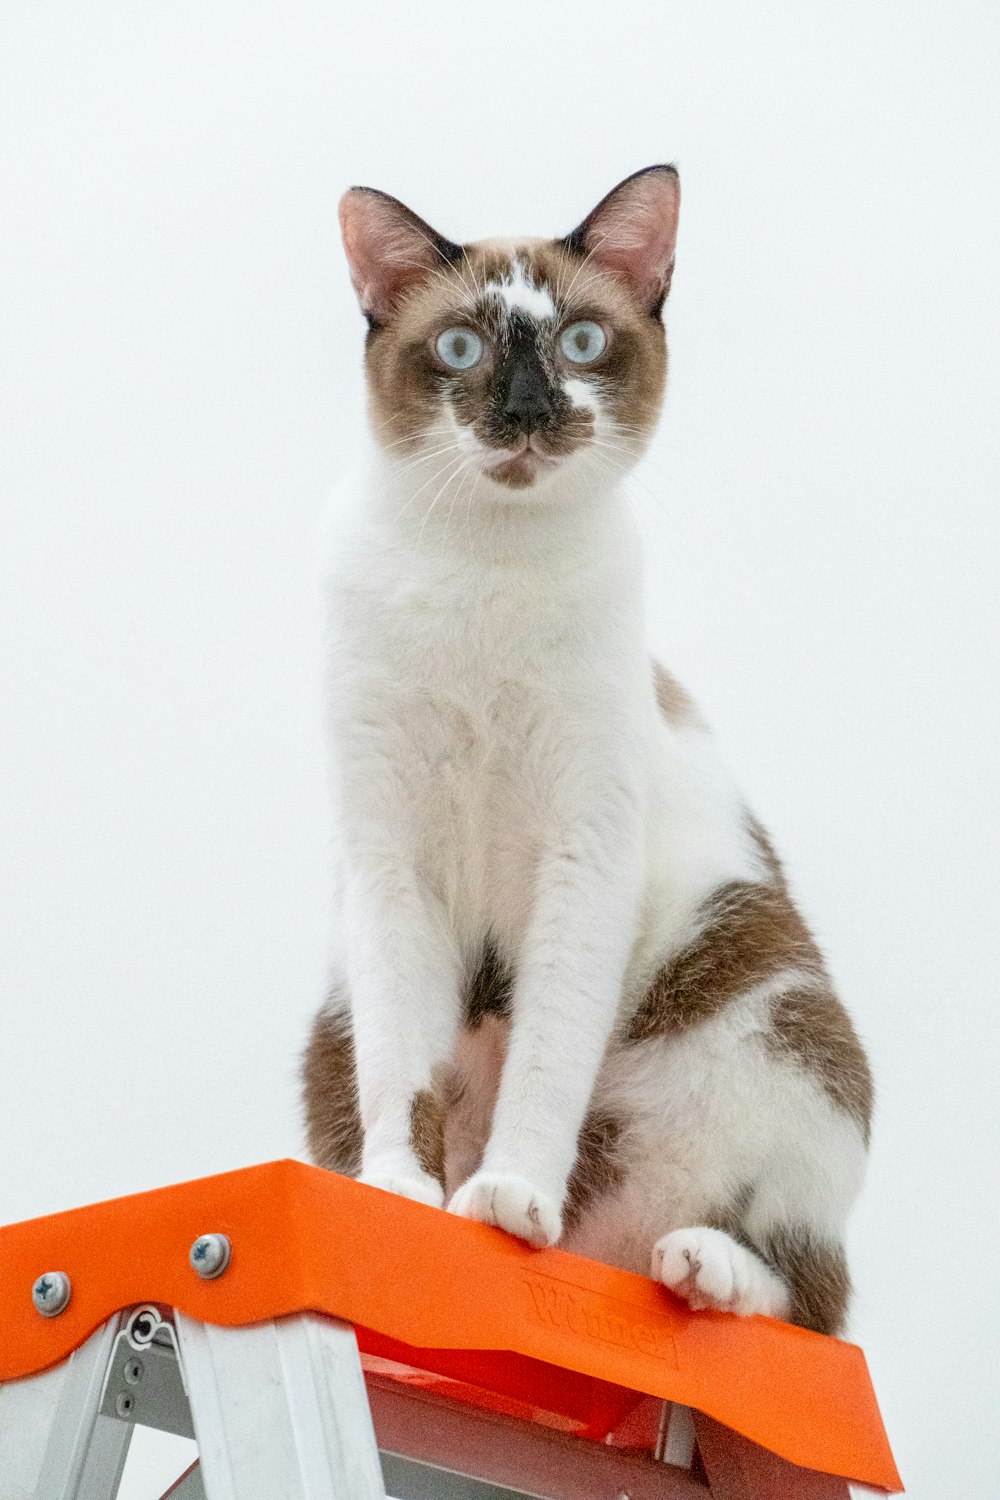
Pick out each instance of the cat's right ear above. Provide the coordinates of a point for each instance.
(632, 234)
(389, 250)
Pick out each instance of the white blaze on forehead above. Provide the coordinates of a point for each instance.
(582, 395)
(519, 294)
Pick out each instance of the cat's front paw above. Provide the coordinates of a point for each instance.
(421, 1188)
(512, 1203)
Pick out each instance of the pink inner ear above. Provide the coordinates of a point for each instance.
(633, 232)
(388, 248)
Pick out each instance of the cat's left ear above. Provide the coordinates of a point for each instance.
(632, 234)
(389, 249)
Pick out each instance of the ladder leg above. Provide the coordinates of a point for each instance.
(105, 1462)
(738, 1469)
(53, 1445)
(280, 1408)
(188, 1487)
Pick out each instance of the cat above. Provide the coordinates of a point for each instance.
(573, 996)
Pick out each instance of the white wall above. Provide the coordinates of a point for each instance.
(180, 388)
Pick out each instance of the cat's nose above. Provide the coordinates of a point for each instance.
(527, 403)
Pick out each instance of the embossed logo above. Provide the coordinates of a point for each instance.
(569, 1309)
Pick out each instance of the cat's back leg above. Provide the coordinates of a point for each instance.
(725, 1155)
(449, 1125)
(330, 1088)
(774, 1244)
(710, 1268)
(793, 1270)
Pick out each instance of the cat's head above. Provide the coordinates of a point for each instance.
(523, 355)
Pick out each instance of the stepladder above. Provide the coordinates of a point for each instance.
(322, 1340)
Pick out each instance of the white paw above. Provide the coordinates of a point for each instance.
(512, 1203)
(420, 1188)
(709, 1269)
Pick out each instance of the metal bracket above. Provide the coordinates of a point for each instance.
(144, 1384)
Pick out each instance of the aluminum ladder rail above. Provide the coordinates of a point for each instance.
(280, 1411)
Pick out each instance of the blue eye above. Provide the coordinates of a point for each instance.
(459, 348)
(583, 342)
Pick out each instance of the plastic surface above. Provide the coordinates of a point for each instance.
(524, 1330)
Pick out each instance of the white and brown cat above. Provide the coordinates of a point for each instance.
(573, 997)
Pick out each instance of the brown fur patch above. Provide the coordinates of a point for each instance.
(768, 854)
(813, 1027)
(598, 1168)
(333, 1119)
(674, 702)
(427, 1111)
(816, 1276)
(491, 989)
(815, 1272)
(748, 933)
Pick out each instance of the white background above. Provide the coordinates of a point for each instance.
(181, 386)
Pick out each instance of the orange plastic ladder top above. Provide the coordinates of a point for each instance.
(541, 1332)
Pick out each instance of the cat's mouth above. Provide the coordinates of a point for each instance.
(521, 462)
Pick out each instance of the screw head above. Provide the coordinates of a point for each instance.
(51, 1293)
(209, 1255)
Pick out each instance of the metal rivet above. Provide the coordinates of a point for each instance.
(209, 1255)
(124, 1404)
(51, 1293)
(142, 1325)
(134, 1371)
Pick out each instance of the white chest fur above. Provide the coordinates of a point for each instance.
(480, 688)
(486, 686)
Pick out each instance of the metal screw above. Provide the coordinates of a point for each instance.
(51, 1293)
(124, 1404)
(134, 1371)
(209, 1255)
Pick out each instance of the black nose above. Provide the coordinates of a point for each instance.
(526, 404)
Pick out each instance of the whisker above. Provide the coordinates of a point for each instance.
(468, 507)
(463, 465)
(586, 259)
(428, 434)
(480, 291)
(427, 482)
(454, 498)
(404, 468)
